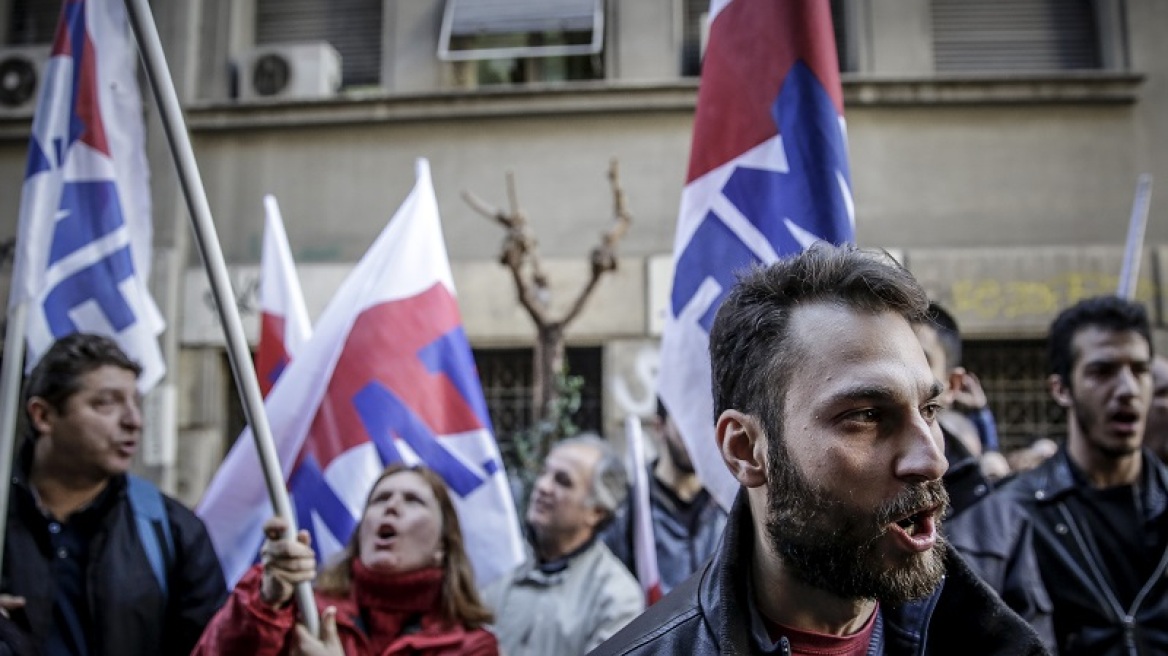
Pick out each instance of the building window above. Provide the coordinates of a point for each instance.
(523, 41)
(506, 375)
(1015, 35)
(1013, 373)
(32, 22)
(353, 27)
(695, 31)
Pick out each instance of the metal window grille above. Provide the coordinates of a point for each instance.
(353, 27)
(32, 22)
(1014, 35)
(1013, 373)
(506, 375)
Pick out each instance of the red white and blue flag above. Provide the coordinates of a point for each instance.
(768, 176)
(284, 322)
(84, 239)
(387, 376)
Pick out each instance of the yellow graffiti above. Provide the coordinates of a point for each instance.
(989, 299)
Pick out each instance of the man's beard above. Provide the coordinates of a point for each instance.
(837, 548)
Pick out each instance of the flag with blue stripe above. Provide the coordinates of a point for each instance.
(768, 176)
(386, 377)
(84, 238)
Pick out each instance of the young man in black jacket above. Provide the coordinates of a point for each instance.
(87, 568)
(1079, 545)
(827, 415)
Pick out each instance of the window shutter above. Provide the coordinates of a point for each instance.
(353, 27)
(1014, 35)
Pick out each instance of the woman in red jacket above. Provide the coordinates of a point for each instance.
(402, 585)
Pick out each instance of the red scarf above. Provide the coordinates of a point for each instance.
(393, 602)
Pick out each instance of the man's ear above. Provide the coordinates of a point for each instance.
(40, 414)
(1059, 391)
(743, 447)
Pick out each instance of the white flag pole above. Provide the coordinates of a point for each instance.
(11, 373)
(150, 46)
(1130, 275)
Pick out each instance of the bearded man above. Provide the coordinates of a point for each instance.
(826, 413)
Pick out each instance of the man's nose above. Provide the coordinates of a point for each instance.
(1128, 384)
(924, 456)
(132, 416)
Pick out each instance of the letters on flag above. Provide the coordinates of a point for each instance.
(84, 239)
(387, 376)
(284, 322)
(768, 176)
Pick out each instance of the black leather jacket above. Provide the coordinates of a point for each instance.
(710, 613)
(128, 611)
(1025, 542)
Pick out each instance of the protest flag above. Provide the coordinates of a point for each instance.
(284, 322)
(83, 244)
(387, 376)
(768, 176)
(644, 541)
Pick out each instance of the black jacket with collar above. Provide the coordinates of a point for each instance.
(128, 611)
(710, 613)
(1027, 543)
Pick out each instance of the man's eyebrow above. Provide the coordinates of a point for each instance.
(879, 393)
(862, 392)
(935, 390)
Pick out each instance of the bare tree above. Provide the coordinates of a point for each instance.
(519, 254)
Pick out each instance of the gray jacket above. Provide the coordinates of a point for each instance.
(565, 608)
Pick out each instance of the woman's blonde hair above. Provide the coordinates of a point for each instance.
(460, 603)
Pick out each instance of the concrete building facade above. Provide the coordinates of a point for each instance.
(994, 148)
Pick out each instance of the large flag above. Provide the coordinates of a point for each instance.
(284, 323)
(84, 239)
(768, 176)
(387, 376)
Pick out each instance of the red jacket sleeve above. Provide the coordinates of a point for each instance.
(246, 626)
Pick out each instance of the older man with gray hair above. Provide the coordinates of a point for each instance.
(572, 593)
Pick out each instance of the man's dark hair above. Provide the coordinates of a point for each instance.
(750, 355)
(948, 334)
(58, 375)
(1106, 312)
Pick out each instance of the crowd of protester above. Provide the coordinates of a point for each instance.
(876, 510)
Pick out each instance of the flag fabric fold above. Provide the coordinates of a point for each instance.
(768, 176)
(84, 237)
(644, 542)
(284, 322)
(387, 376)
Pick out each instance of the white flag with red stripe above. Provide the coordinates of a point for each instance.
(644, 542)
(387, 376)
(284, 322)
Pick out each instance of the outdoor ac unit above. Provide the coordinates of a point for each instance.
(289, 71)
(21, 71)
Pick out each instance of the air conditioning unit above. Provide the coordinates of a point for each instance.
(22, 69)
(289, 71)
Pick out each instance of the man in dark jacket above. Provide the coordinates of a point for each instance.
(78, 573)
(1079, 545)
(827, 416)
(687, 522)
